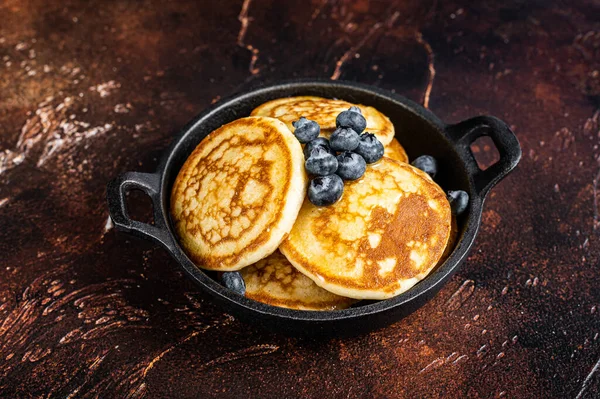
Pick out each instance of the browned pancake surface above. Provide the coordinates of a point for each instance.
(275, 281)
(238, 193)
(395, 151)
(386, 233)
(325, 111)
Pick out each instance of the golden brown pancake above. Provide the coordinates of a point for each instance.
(324, 111)
(386, 233)
(451, 241)
(276, 282)
(238, 194)
(395, 151)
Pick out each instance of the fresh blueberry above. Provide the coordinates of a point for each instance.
(354, 108)
(344, 139)
(325, 190)
(351, 119)
(369, 147)
(306, 130)
(318, 142)
(234, 281)
(300, 122)
(321, 162)
(351, 166)
(427, 164)
(459, 200)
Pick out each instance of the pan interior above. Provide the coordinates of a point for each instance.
(419, 132)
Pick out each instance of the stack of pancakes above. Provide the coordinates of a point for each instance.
(239, 203)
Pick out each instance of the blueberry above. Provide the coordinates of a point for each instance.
(427, 164)
(321, 162)
(351, 119)
(306, 130)
(369, 147)
(234, 281)
(351, 166)
(459, 200)
(325, 190)
(318, 142)
(344, 139)
(300, 122)
(354, 108)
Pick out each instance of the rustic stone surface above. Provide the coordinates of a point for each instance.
(92, 89)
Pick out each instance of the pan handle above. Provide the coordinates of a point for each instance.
(464, 133)
(149, 183)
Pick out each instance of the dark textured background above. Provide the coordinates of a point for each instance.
(90, 89)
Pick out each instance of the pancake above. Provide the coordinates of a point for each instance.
(324, 111)
(395, 151)
(452, 240)
(386, 233)
(276, 282)
(238, 194)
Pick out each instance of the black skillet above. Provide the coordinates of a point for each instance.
(419, 131)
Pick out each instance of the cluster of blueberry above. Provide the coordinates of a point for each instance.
(343, 157)
(330, 168)
(234, 281)
(459, 199)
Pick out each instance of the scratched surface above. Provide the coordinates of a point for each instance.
(90, 89)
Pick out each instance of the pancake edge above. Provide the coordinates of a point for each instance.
(288, 251)
(289, 211)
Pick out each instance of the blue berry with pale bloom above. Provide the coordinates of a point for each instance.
(318, 142)
(353, 119)
(325, 190)
(351, 166)
(427, 164)
(344, 139)
(306, 130)
(234, 281)
(321, 162)
(369, 147)
(459, 201)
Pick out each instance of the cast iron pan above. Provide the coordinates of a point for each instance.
(419, 131)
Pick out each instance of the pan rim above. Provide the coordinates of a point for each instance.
(433, 281)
